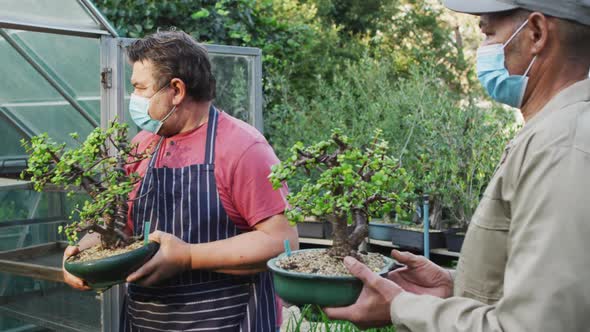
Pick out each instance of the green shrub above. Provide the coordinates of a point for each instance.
(447, 143)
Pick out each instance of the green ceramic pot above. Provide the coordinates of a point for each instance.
(325, 291)
(103, 273)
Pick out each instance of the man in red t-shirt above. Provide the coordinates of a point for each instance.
(206, 194)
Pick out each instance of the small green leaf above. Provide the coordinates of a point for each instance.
(204, 12)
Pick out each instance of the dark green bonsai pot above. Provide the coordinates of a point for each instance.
(103, 273)
(324, 291)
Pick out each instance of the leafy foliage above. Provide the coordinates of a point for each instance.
(416, 35)
(303, 40)
(448, 144)
(287, 31)
(355, 16)
(96, 166)
(351, 185)
(11, 209)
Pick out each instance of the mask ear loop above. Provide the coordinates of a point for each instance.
(169, 114)
(515, 33)
(530, 66)
(524, 77)
(165, 118)
(160, 90)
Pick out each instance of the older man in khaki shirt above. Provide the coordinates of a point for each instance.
(525, 264)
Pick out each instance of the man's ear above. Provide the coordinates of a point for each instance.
(179, 91)
(538, 33)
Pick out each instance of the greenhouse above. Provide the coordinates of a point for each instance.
(64, 71)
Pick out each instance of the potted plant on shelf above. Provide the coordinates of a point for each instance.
(345, 185)
(381, 229)
(410, 234)
(95, 167)
(311, 227)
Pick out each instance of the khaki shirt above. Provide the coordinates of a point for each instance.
(525, 263)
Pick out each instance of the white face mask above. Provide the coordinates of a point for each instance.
(139, 110)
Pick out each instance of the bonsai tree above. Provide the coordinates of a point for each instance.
(344, 184)
(96, 167)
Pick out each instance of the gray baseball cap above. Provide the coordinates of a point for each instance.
(574, 10)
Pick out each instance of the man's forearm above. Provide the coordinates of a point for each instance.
(243, 254)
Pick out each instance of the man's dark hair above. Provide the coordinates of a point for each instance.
(175, 54)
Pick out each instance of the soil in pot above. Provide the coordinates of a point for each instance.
(335, 288)
(318, 262)
(97, 252)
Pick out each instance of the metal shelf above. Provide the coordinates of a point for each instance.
(12, 184)
(39, 262)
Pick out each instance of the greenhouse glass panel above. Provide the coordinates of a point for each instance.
(58, 120)
(30, 220)
(29, 304)
(235, 93)
(45, 212)
(11, 145)
(21, 83)
(33, 101)
(73, 61)
(64, 13)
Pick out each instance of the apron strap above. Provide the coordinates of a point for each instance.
(211, 133)
(141, 192)
(155, 154)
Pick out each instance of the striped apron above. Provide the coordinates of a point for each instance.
(185, 202)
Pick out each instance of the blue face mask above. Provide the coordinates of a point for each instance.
(495, 78)
(139, 110)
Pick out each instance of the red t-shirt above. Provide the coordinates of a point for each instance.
(243, 159)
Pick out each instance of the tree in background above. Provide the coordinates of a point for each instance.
(355, 16)
(296, 45)
(303, 40)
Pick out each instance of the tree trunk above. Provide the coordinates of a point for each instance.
(436, 214)
(109, 237)
(340, 245)
(361, 229)
(343, 244)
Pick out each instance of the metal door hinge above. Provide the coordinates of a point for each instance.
(106, 78)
